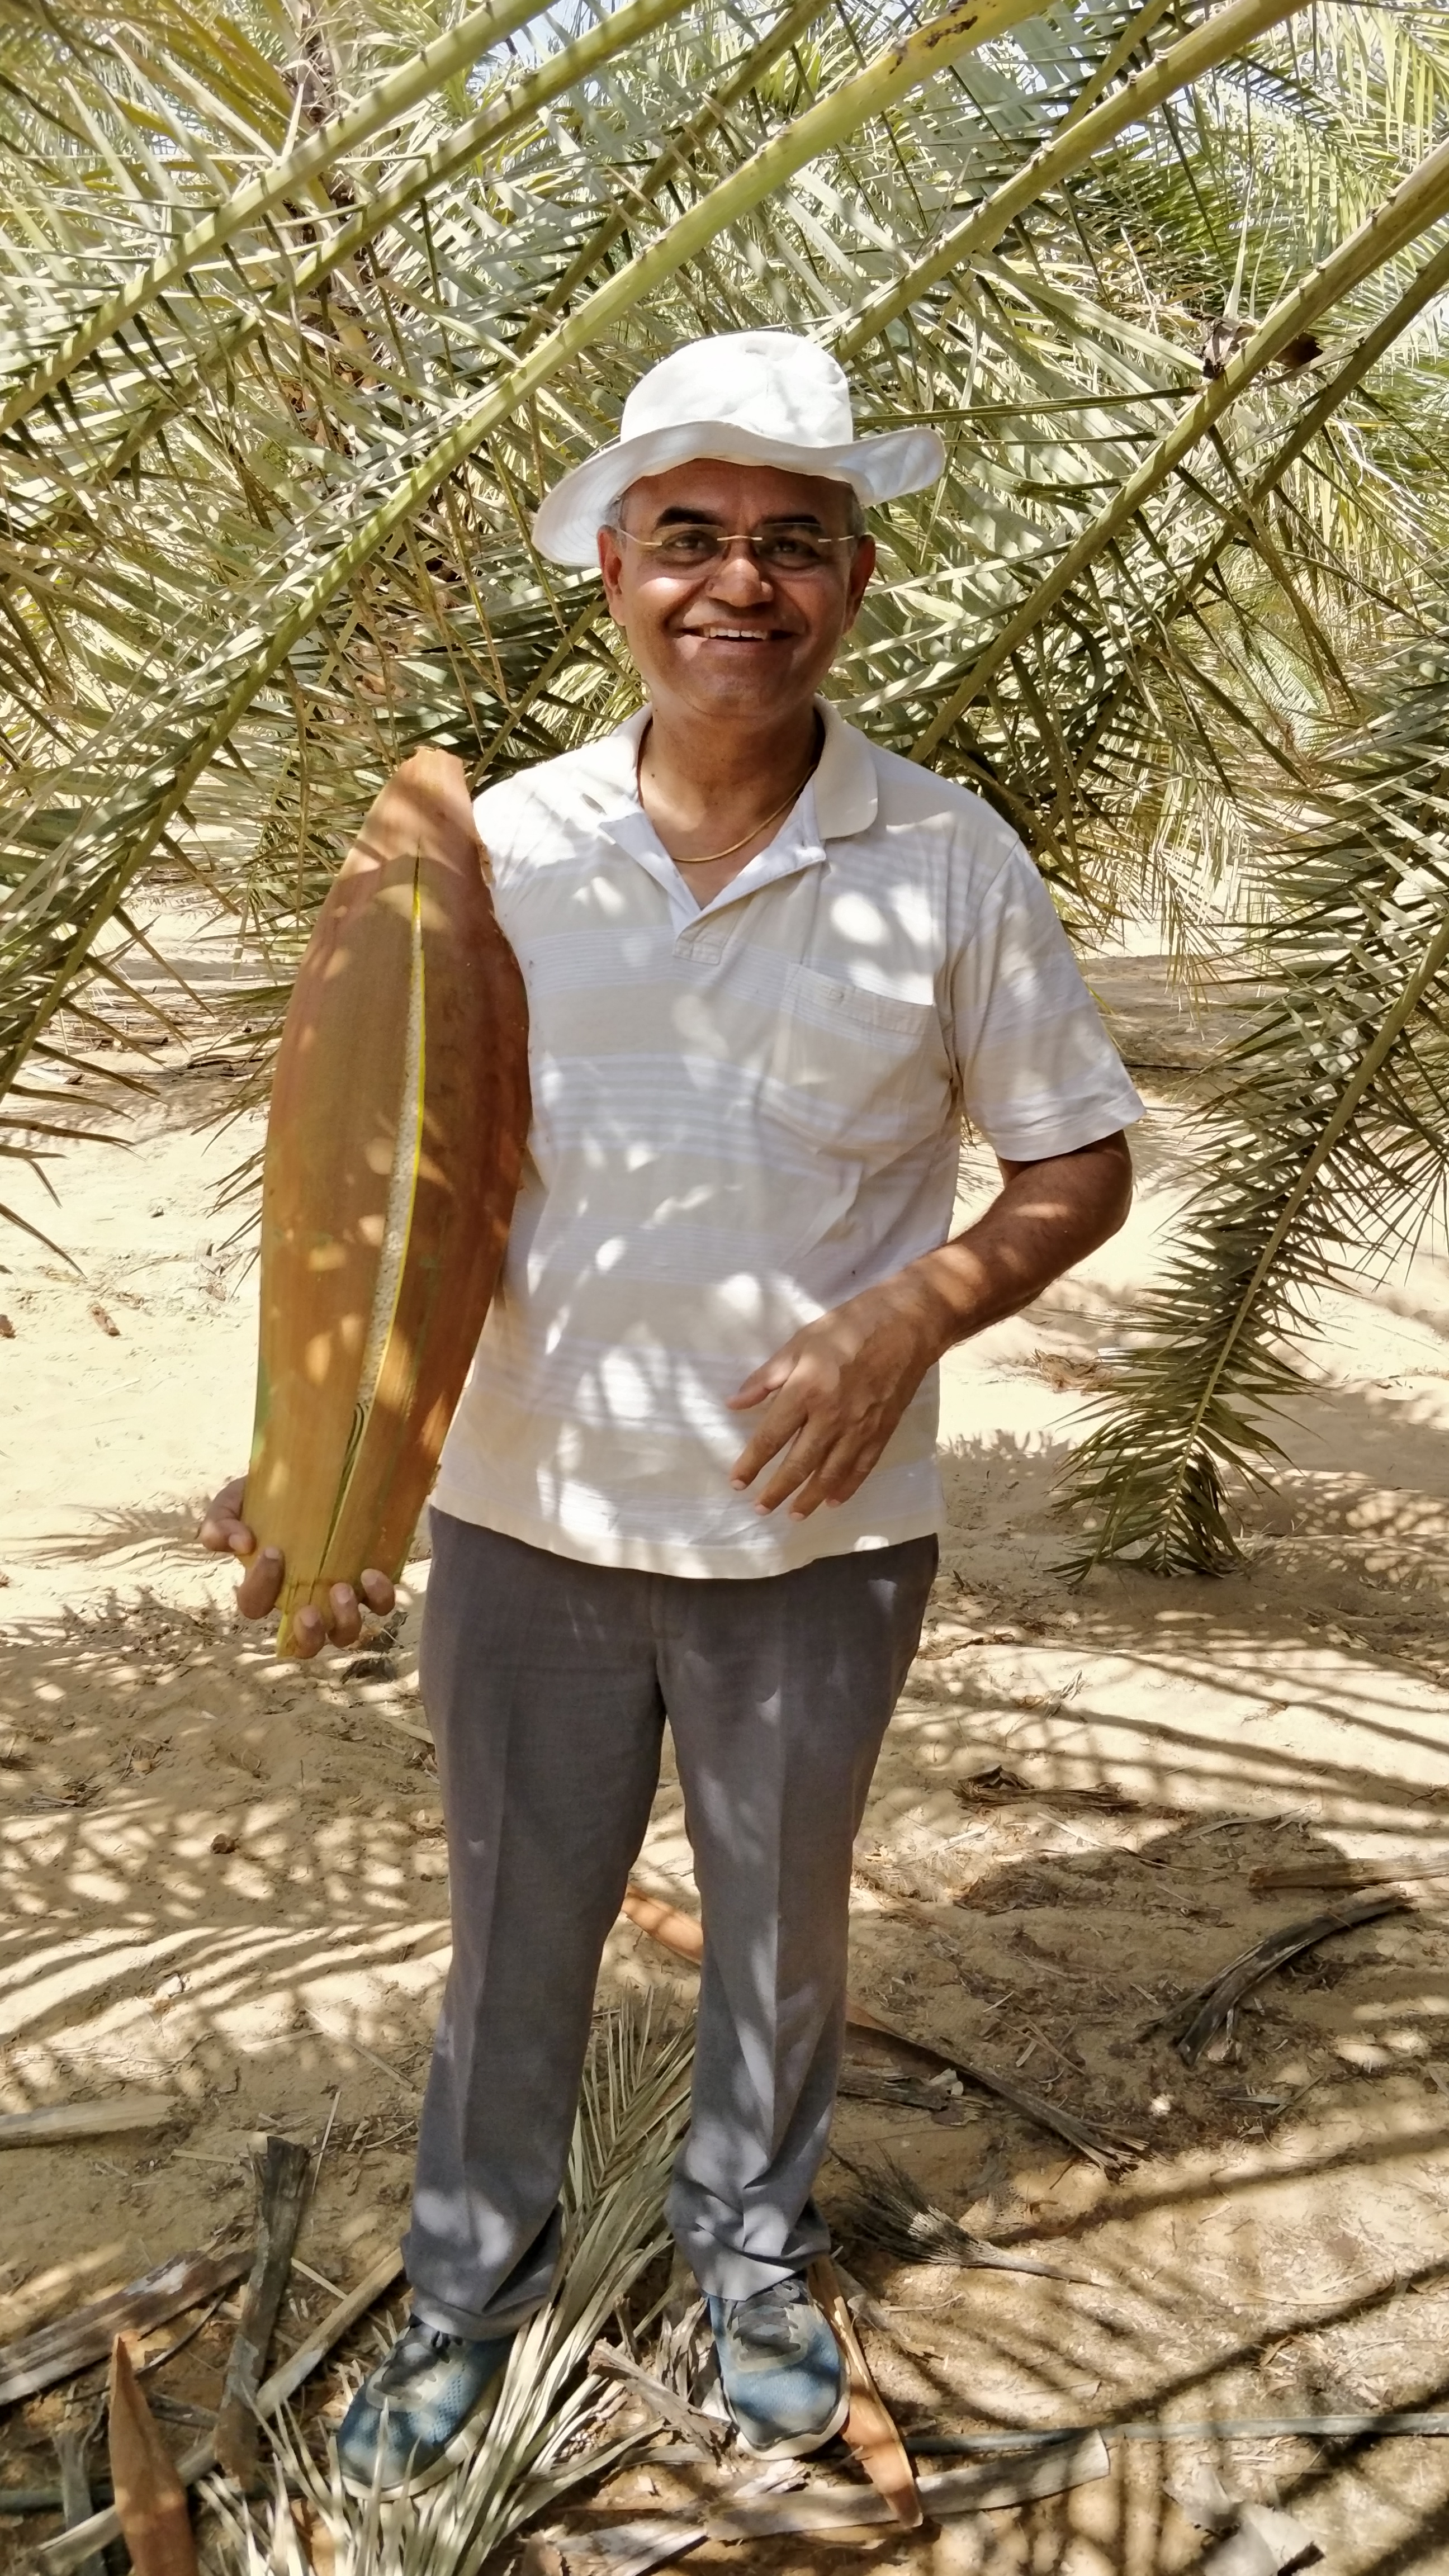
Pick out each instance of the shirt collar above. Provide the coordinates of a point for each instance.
(846, 796)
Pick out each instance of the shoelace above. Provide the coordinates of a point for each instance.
(765, 2321)
(408, 2354)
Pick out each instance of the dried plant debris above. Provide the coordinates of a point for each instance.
(1198, 2017)
(1054, 2467)
(1257, 2540)
(77, 2503)
(56, 2121)
(282, 2198)
(996, 1787)
(70, 2549)
(999, 1787)
(69, 2344)
(553, 2425)
(624, 2548)
(686, 2420)
(1112, 2149)
(931, 2093)
(870, 2429)
(1331, 1871)
(890, 2212)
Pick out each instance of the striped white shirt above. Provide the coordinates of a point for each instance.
(742, 1115)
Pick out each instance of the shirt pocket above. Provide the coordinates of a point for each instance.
(855, 1073)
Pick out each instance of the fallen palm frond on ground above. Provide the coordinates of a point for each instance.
(544, 2435)
(1199, 2016)
(1112, 2149)
(890, 2211)
(72, 2547)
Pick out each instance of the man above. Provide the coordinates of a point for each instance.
(692, 1476)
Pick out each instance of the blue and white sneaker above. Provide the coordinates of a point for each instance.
(781, 2371)
(420, 2411)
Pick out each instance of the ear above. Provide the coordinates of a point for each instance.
(611, 568)
(862, 565)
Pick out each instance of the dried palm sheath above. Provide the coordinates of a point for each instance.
(870, 2428)
(150, 2498)
(398, 1122)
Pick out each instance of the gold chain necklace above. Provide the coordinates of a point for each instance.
(755, 828)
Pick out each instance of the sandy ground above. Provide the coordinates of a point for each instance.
(223, 1878)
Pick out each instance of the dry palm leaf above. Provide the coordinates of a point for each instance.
(398, 1122)
(889, 2210)
(545, 2434)
(1195, 2019)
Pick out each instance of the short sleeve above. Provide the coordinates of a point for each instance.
(1039, 1074)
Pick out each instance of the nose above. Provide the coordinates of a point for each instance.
(739, 579)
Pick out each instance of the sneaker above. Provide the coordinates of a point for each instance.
(781, 2370)
(419, 2412)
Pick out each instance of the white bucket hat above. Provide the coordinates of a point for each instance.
(753, 397)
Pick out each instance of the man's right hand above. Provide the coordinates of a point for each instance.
(226, 1534)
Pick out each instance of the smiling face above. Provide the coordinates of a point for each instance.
(735, 641)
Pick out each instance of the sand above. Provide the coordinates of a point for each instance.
(224, 1880)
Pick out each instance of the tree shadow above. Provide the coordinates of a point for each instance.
(161, 1530)
(217, 1885)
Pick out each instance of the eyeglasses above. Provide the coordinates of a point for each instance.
(695, 546)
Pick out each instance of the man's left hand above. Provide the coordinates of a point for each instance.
(834, 1395)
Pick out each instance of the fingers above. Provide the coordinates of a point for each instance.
(222, 1527)
(309, 1633)
(257, 1591)
(763, 1381)
(773, 1433)
(346, 1621)
(825, 1464)
(341, 1621)
(840, 1474)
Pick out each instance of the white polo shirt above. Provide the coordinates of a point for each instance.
(741, 1116)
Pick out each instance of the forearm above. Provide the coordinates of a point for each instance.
(1046, 1217)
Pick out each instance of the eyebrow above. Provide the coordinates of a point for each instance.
(682, 517)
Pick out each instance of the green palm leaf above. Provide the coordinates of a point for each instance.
(1330, 1146)
(294, 331)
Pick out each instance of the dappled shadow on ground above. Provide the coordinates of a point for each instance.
(224, 1878)
(1076, 1799)
(134, 1530)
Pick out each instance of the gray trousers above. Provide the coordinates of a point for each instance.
(547, 1684)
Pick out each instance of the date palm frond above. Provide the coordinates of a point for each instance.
(550, 2428)
(300, 313)
(1329, 1145)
